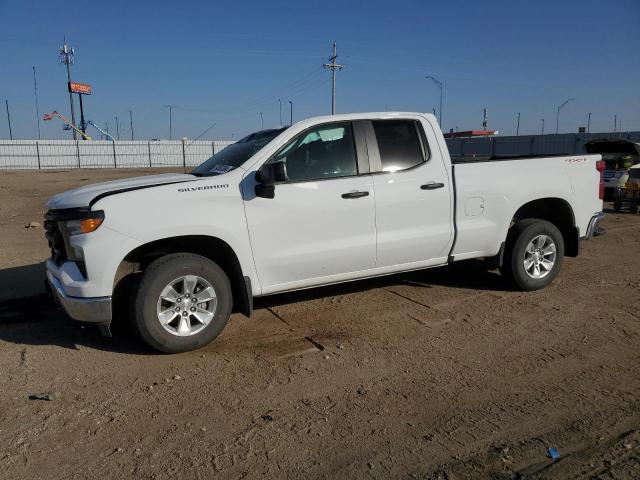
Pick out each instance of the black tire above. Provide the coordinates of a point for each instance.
(518, 238)
(156, 277)
(633, 208)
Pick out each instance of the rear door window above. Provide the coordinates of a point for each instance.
(400, 144)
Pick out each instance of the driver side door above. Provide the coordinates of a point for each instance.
(320, 226)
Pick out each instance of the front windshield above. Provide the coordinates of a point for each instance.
(236, 154)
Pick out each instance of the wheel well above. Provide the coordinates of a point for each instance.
(558, 212)
(212, 248)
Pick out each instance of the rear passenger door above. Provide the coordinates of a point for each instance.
(413, 194)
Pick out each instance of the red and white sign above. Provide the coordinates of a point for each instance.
(83, 88)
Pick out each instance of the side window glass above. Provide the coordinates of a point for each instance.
(324, 152)
(399, 145)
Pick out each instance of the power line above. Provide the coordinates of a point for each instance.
(334, 67)
(306, 80)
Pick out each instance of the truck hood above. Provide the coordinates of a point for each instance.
(83, 196)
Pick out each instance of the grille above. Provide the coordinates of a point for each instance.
(56, 241)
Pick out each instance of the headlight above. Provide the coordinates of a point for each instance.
(85, 225)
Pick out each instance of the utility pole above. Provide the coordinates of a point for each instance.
(518, 125)
(261, 121)
(117, 128)
(485, 120)
(334, 67)
(542, 132)
(131, 123)
(67, 57)
(35, 92)
(9, 120)
(434, 111)
(615, 122)
(589, 123)
(290, 113)
(439, 85)
(560, 107)
(170, 107)
(280, 104)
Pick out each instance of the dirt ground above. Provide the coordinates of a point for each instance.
(439, 374)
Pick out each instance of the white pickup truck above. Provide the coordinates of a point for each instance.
(329, 199)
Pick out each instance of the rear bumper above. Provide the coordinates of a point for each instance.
(94, 310)
(592, 228)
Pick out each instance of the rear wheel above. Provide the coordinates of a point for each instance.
(534, 254)
(183, 302)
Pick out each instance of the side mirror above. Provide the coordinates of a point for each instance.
(268, 176)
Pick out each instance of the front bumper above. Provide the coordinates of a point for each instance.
(94, 310)
(592, 228)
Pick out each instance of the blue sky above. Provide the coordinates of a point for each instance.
(225, 62)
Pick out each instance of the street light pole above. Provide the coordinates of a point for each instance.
(560, 107)
(589, 123)
(439, 85)
(261, 121)
(542, 133)
(518, 125)
(280, 105)
(35, 92)
(290, 113)
(131, 123)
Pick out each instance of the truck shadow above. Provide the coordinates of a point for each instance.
(35, 319)
(469, 274)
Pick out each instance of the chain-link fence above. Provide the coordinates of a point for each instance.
(52, 154)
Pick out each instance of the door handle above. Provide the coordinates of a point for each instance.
(431, 186)
(354, 194)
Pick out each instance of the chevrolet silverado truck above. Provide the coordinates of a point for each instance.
(327, 200)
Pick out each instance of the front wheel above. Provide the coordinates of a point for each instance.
(534, 254)
(183, 302)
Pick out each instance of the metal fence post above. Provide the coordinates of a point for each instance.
(184, 158)
(531, 149)
(149, 147)
(115, 161)
(78, 152)
(38, 153)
